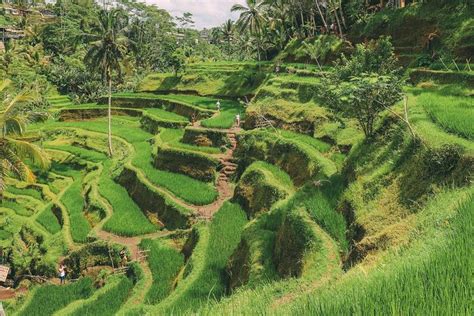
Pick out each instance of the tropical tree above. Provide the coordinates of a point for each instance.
(14, 152)
(106, 53)
(252, 18)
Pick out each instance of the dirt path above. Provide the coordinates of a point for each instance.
(224, 187)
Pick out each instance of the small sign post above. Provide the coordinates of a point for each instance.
(4, 273)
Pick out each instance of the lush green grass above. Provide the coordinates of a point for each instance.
(320, 205)
(305, 139)
(165, 262)
(49, 220)
(74, 203)
(15, 206)
(455, 114)
(172, 138)
(432, 281)
(273, 174)
(36, 194)
(184, 187)
(204, 270)
(50, 298)
(433, 134)
(166, 115)
(225, 118)
(108, 300)
(82, 153)
(127, 218)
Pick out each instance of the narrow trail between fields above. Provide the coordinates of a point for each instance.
(224, 188)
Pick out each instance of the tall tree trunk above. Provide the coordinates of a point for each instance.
(321, 14)
(342, 15)
(109, 113)
(338, 22)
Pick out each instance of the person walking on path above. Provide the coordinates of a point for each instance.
(237, 120)
(218, 104)
(62, 273)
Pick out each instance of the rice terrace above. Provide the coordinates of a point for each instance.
(236, 157)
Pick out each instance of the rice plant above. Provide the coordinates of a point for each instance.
(48, 299)
(127, 218)
(454, 113)
(49, 220)
(165, 262)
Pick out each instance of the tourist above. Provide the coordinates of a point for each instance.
(62, 273)
(123, 257)
(218, 104)
(237, 119)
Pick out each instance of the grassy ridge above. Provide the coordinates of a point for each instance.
(186, 188)
(172, 138)
(165, 263)
(428, 281)
(36, 194)
(455, 114)
(49, 220)
(108, 300)
(74, 203)
(166, 115)
(207, 263)
(50, 298)
(127, 218)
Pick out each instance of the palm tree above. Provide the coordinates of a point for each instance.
(228, 33)
(106, 53)
(252, 17)
(14, 151)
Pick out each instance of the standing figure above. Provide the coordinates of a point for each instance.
(218, 104)
(123, 257)
(237, 119)
(62, 273)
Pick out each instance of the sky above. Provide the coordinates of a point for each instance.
(207, 13)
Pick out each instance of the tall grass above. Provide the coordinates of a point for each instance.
(74, 203)
(172, 138)
(127, 218)
(50, 298)
(108, 300)
(305, 139)
(206, 266)
(165, 262)
(437, 284)
(184, 187)
(82, 153)
(36, 194)
(320, 204)
(49, 220)
(19, 209)
(166, 115)
(454, 113)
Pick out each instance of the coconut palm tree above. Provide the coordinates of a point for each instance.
(252, 17)
(106, 53)
(13, 150)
